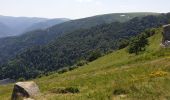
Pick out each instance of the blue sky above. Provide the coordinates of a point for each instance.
(79, 8)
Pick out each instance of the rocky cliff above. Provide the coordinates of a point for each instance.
(166, 36)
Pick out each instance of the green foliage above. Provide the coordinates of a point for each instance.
(72, 90)
(66, 69)
(11, 46)
(81, 62)
(65, 50)
(138, 44)
(118, 71)
(123, 43)
(73, 67)
(65, 90)
(120, 91)
(21, 79)
(94, 55)
(63, 70)
(150, 32)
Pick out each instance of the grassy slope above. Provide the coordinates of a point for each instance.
(145, 76)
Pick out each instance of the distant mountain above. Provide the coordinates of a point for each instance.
(46, 24)
(18, 25)
(89, 22)
(5, 30)
(11, 46)
(69, 48)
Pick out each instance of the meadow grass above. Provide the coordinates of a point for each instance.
(115, 76)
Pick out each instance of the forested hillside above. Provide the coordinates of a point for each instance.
(118, 75)
(78, 45)
(11, 46)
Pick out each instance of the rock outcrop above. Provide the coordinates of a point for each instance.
(166, 36)
(25, 90)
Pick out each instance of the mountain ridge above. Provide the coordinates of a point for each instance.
(69, 48)
(19, 25)
(10, 46)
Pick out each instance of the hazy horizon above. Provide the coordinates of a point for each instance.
(75, 9)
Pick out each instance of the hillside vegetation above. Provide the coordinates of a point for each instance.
(79, 45)
(11, 46)
(116, 76)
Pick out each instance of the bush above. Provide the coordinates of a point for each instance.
(72, 90)
(21, 79)
(81, 62)
(120, 91)
(66, 69)
(123, 43)
(150, 32)
(61, 71)
(138, 44)
(72, 68)
(65, 90)
(94, 55)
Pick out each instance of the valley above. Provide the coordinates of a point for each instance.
(141, 77)
(84, 50)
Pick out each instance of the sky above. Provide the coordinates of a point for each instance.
(75, 9)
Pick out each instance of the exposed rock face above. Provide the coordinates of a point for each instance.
(25, 90)
(166, 36)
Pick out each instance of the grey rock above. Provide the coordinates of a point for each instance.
(25, 90)
(166, 36)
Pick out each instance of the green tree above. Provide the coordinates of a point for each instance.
(138, 44)
(94, 55)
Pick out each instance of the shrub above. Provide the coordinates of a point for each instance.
(81, 62)
(72, 90)
(61, 71)
(72, 68)
(66, 69)
(65, 90)
(21, 79)
(123, 43)
(120, 91)
(94, 55)
(138, 44)
(150, 32)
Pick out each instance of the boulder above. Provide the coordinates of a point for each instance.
(23, 90)
(166, 36)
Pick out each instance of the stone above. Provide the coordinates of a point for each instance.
(23, 90)
(166, 36)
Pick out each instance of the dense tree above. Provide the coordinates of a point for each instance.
(94, 55)
(11, 46)
(123, 43)
(138, 44)
(67, 49)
